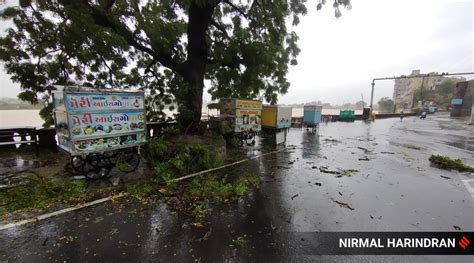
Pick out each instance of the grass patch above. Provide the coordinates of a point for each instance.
(37, 194)
(446, 163)
(140, 188)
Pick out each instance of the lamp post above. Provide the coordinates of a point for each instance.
(421, 91)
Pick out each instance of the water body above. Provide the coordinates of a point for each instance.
(21, 118)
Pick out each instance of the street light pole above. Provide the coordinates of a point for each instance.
(372, 97)
(471, 122)
(421, 91)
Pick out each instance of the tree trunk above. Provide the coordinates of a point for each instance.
(195, 66)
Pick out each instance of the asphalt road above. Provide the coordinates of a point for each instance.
(393, 189)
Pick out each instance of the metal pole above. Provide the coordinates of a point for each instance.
(372, 96)
(421, 92)
(471, 122)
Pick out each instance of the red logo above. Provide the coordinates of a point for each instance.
(464, 242)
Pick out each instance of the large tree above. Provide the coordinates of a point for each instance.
(166, 47)
(386, 104)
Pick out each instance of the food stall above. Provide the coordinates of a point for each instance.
(90, 122)
(312, 117)
(276, 120)
(243, 116)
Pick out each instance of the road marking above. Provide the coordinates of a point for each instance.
(466, 180)
(60, 212)
(469, 188)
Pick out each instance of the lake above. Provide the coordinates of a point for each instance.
(21, 118)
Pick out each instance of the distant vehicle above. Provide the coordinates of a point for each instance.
(432, 109)
(423, 115)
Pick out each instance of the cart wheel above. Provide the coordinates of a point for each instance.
(104, 160)
(250, 137)
(97, 174)
(127, 161)
(81, 164)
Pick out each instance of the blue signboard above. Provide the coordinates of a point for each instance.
(456, 102)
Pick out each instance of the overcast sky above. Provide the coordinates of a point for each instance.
(377, 38)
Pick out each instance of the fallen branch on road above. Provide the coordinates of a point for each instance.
(224, 166)
(446, 163)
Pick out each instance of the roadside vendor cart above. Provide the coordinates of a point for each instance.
(100, 129)
(276, 120)
(244, 118)
(312, 117)
(347, 115)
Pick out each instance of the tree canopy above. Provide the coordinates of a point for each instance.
(386, 104)
(167, 47)
(444, 93)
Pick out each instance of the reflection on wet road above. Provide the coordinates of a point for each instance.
(352, 177)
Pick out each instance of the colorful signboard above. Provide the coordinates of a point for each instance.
(248, 104)
(96, 121)
(247, 120)
(90, 124)
(232, 104)
(102, 144)
(242, 115)
(101, 101)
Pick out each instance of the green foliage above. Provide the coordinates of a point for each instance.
(219, 189)
(140, 188)
(421, 94)
(444, 93)
(46, 114)
(243, 48)
(200, 211)
(444, 162)
(156, 149)
(178, 158)
(386, 104)
(38, 194)
(219, 127)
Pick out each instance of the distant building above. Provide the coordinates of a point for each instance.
(404, 89)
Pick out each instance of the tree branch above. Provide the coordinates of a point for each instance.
(110, 70)
(220, 27)
(102, 19)
(236, 8)
(153, 62)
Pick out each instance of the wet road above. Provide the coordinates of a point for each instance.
(394, 189)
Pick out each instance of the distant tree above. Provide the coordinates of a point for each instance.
(327, 105)
(386, 104)
(347, 105)
(360, 104)
(168, 47)
(444, 93)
